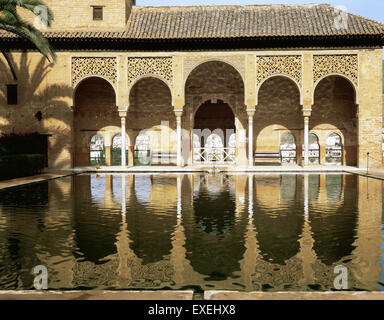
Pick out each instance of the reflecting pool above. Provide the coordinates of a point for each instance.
(195, 231)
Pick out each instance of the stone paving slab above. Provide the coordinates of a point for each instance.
(235, 295)
(29, 180)
(96, 295)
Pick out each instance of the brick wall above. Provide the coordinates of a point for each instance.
(79, 15)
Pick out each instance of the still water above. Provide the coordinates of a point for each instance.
(197, 231)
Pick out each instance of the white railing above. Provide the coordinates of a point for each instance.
(214, 155)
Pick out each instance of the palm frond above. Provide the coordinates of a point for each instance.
(11, 21)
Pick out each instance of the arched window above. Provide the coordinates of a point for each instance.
(314, 149)
(232, 141)
(142, 150)
(116, 150)
(288, 148)
(214, 141)
(334, 149)
(97, 150)
(231, 150)
(214, 147)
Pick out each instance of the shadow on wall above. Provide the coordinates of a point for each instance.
(41, 107)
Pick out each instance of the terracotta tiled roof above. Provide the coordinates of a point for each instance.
(243, 21)
(232, 22)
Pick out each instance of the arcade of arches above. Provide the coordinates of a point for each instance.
(215, 123)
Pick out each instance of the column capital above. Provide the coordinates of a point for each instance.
(122, 111)
(178, 107)
(307, 111)
(251, 113)
(178, 113)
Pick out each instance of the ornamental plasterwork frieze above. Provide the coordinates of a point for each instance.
(105, 67)
(155, 66)
(344, 64)
(267, 66)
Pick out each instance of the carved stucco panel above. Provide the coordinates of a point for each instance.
(267, 66)
(105, 67)
(343, 64)
(155, 66)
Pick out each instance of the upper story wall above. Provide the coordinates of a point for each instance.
(78, 15)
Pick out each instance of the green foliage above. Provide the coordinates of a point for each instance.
(21, 155)
(13, 144)
(20, 165)
(11, 21)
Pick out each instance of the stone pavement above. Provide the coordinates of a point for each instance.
(96, 295)
(235, 295)
(186, 295)
(32, 179)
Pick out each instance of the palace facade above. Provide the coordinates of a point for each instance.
(203, 85)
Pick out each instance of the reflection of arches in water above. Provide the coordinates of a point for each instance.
(214, 239)
(97, 188)
(143, 185)
(151, 226)
(117, 187)
(334, 149)
(116, 149)
(279, 231)
(334, 186)
(95, 229)
(97, 150)
(334, 229)
(313, 187)
(288, 148)
(288, 187)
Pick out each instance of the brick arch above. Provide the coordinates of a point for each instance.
(93, 78)
(215, 79)
(348, 79)
(286, 76)
(95, 111)
(196, 65)
(149, 76)
(228, 112)
(278, 109)
(334, 110)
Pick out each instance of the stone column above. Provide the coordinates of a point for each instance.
(306, 114)
(178, 124)
(251, 114)
(131, 148)
(123, 116)
(108, 150)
